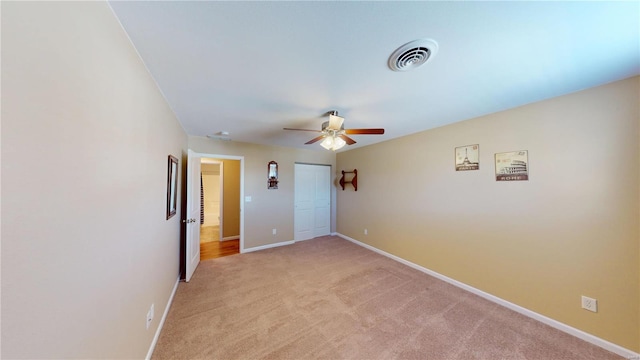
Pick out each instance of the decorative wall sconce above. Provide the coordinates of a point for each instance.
(272, 175)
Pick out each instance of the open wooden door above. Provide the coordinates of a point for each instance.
(192, 218)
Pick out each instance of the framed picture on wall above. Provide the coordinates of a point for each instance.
(512, 166)
(468, 157)
(172, 186)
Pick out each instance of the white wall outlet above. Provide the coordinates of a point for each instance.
(150, 316)
(589, 304)
(274, 231)
(366, 232)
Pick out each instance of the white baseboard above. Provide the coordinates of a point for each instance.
(226, 238)
(628, 354)
(268, 246)
(164, 317)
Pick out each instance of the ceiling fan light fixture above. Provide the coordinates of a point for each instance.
(334, 136)
(338, 143)
(327, 143)
(332, 142)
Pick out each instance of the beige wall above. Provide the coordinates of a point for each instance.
(231, 198)
(207, 168)
(268, 209)
(571, 230)
(86, 247)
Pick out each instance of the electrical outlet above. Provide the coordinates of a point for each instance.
(366, 232)
(150, 316)
(274, 231)
(589, 304)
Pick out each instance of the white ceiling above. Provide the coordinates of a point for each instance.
(252, 68)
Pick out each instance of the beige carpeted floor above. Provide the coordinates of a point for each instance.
(330, 299)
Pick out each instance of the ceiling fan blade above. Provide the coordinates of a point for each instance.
(347, 139)
(335, 122)
(316, 139)
(301, 129)
(364, 131)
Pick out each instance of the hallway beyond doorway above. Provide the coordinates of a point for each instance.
(211, 247)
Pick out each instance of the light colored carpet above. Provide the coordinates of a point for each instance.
(330, 299)
(209, 233)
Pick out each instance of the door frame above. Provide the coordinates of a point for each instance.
(221, 197)
(199, 156)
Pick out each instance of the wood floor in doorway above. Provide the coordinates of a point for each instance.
(211, 247)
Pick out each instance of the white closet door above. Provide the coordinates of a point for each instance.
(312, 214)
(322, 223)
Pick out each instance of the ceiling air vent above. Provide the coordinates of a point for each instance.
(220, 135)
(413, 54)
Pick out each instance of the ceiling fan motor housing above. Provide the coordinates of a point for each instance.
(325, 127)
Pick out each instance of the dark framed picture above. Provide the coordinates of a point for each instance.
(172, 186)
(512, 166)
(467, 157)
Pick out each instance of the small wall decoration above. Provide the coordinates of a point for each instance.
(272, 175)
(512, 166)
(172, 186)
(467, 157)
(353, 181)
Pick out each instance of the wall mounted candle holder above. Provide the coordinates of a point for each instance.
(272, 175)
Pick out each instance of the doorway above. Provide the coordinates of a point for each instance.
(219, 222)
(194, 211)
(212, 190)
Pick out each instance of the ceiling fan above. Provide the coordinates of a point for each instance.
(334, 133)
